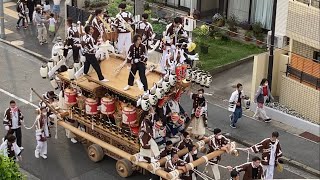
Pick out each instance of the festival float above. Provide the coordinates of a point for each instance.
(109, 118)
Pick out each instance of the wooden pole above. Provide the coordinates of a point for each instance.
(99, 142)
(185, 150)
(192, 165)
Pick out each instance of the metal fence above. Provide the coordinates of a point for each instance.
(77, 14)
(303, 77)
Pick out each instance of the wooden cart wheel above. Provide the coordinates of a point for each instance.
(95, 153)
(124, 168)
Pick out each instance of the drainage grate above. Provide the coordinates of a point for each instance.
(310, 136)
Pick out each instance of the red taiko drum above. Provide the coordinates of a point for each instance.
(91, 106)
(179, 73)
(70, 96)
(129, 115)
(175, 117)
(135, 130)
(107, 105)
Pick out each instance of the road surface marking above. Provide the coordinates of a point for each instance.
(9, 4)
(18, 98)
(11, 13)
(8, 31)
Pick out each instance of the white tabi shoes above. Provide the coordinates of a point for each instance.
(73, 140)
(126, 88)
(44, 156)
(104, 80)
(36, 154)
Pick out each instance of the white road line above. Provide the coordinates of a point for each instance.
(18, 98)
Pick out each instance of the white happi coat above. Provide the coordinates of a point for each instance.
(4, 149)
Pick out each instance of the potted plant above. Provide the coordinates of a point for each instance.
(218, 35)
(218, 20)
(248, 36)
(232, 21)
(257, 28)
(259, 38)
(201, 33)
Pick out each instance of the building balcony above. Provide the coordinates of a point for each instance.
(303, 22)
(305, 70)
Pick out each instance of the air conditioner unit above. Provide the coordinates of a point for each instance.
(280, 41)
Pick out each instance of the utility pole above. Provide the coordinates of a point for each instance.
(2, 33)
(271, 54)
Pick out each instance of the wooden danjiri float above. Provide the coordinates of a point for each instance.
(110, 118)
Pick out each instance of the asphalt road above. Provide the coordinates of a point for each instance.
(20, 72)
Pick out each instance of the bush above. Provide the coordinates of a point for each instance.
(113, 9)
(257, 28)
(201, 34)
(146, 6)
(9, 169)
(158, 28)
(232, 22)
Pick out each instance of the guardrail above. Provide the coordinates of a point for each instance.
(303, 77)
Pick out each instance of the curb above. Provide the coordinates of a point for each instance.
(286, 160)
(225, 67)
(39, 56)
(29, 176)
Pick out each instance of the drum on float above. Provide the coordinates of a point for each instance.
(70, 95)
(134, 130)
(91, 106)
(110, 36)
(129, 115)
(108, 106)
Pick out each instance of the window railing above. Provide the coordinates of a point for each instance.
(313, 3)
(303, 77)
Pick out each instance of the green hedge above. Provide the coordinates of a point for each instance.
(9, 169)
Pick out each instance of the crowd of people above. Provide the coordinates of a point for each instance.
(163, 130)
(40, 14)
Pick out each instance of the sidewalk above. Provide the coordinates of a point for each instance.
(28, 175)
(27, 38)
(250, 131)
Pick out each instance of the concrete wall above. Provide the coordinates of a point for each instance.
(303, 99)
(303, 49)
(260, 70)
(281, 18)
(304, 23)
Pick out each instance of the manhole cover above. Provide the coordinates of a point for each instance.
(17, 43)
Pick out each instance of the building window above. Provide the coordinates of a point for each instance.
(316, 56)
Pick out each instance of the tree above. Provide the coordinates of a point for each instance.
(9, 169)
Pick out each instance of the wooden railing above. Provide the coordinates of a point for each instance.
(305, 65)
